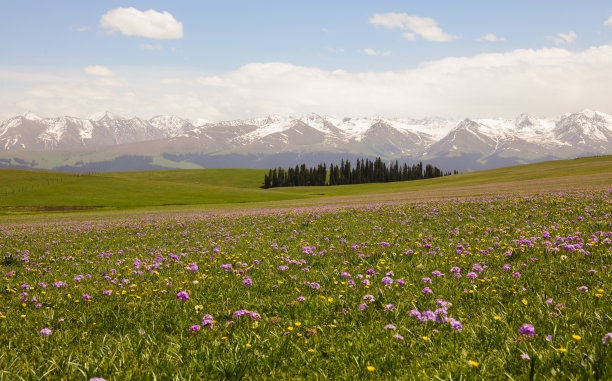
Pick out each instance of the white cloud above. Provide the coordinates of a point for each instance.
(425, 27)
(372, 52)
(151, 24)
(490, 37)
(81, 29)
(561, 38)
(542, 82)
(150, 47)
(608, 22)
(97, 70)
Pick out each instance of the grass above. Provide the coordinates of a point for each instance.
(31, 192)
(330, 288)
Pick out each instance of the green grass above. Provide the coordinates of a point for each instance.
(27, 192)
(139, 329)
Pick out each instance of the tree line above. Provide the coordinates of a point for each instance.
(365, 171)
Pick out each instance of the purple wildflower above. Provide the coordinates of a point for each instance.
(194, 328)
(387, 281)
(456, 325)
(427, 291)
(583, 289)
(255, 316)
(47, 332)
(208, 323)
(368, 298)
(247, 281)
(549, 338)
(516, 275)
(472, 275)
(527, 329)
(525, 356)
(607, 338)
(390, 326)
(182, 295)
(426, 280)
(86, 297)
(398, 336)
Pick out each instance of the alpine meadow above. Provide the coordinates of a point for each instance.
(275, 190)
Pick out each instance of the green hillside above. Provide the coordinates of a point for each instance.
(23, 191)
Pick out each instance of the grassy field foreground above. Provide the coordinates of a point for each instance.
(514, 286)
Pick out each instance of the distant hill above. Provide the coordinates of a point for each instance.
(109, 142)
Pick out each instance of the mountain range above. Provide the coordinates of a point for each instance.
(108, 142)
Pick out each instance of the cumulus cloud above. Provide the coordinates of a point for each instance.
(545, 82)
(100, 71)
(561, 38)
(490, 37)
(372, 52)
(133, 22)
(425, 27)
(150, 47)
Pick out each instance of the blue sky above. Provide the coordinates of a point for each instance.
(224, 60)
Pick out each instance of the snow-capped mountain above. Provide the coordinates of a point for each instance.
(441, 141)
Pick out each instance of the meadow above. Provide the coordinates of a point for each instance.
(508, 286)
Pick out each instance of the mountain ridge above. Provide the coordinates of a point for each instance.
(522, 139)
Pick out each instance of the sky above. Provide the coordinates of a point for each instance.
(222, 60)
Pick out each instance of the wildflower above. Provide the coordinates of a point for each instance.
(86, 297)
(198, 308)
(311, 350)
(368, 298)
(398, 336)
(426, 280)
(389, 307)
(497, 317)
(255, 316)
(524, 301)
(607, 338)
(576, 337)
(107, 292)
(527, 329)
(400, 281)
(550, 301)
(387, 281)
(370, 368)
(301, 298)
(247, 281)
(525, 356)
(182, 295)
(241, 313)
(45, 332)
(549, 338)
(473, 363)
(516, 275)
(562, 350)
(472, 275)
(208, 323)
(194, 328)
(456, 325)
(363, 306)
(583, 289)
(390, 326)
(506, 267)
(141, 331)
(425, 338)
(427, 291)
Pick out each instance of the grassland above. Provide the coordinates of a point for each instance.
(31, 192)
(501, 274)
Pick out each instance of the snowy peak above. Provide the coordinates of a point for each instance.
(569, 135)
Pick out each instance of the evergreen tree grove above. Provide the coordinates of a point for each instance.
(365, 171)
